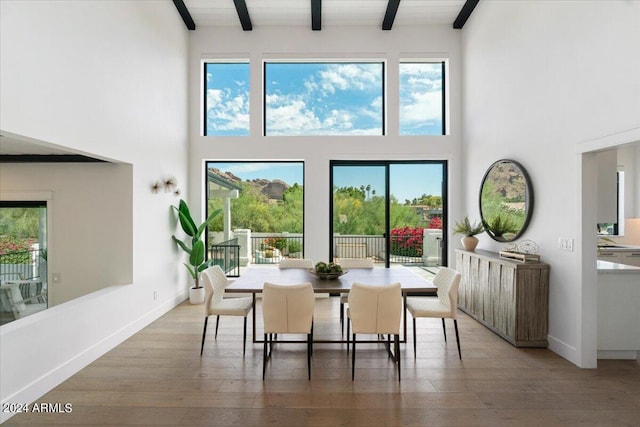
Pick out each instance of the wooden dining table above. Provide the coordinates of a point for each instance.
(253, 278)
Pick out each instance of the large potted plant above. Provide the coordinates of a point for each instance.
(469, 231)
(194, 247)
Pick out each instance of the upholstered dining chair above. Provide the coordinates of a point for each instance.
(447, 281)
(375, 309)
(296, 263)
(215, 282)
(287, 309)
(348, 264)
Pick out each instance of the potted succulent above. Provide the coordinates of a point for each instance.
(469, 231)
(194, 247)
(500, 225)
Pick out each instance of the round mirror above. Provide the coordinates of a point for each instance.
(506, 200)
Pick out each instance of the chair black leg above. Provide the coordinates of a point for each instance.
(309, 355)
(397, 351)
(353, 358)
(244, 338)
(348, 331)
(264, 357)
(389, 345)
(341, 317)
(204, 334)
(444, 330)
(311, 342)
(455, 324)
(414, 337)
(217, 321)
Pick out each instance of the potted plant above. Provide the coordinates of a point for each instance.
(194, 247)
(469, 231)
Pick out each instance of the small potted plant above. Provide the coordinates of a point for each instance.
(469, 231)
(194, 247)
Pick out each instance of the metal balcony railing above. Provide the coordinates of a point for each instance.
(227, 256)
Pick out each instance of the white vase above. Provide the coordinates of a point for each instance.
(469, 243)
(196, 295)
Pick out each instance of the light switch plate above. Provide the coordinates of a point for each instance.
(565, 243)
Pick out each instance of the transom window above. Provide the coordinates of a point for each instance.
(422, 103)
(226, 100)
(324, 98)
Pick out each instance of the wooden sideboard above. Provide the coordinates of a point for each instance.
(508, 297)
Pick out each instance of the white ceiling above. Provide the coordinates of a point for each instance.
(334, 12)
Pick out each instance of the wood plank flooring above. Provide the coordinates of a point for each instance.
(157, 378)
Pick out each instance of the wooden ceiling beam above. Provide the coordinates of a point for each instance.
(243, 14)
(184, 13)
(465, 13)
(390, 14)
(316, 15)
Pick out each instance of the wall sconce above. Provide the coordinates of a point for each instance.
(170, 185)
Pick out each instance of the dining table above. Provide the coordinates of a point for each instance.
(252, 280)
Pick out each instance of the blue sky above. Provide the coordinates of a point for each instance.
(407, 180)
(324, 98)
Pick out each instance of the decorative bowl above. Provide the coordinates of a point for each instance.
(327, 275)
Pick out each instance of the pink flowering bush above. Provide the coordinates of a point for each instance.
(407, 241)
(15, 250)
(435, 223)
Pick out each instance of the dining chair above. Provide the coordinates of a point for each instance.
(215, 282)
(348, 264)
(287, 309)
(444, 306)
(375, 309)
(296, 263)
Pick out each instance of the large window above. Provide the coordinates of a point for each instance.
(422, 100)
(323, 98)
(263, 200)
(226, 100)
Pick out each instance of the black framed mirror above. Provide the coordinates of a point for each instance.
(506, 200)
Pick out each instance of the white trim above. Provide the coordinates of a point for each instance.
(609, 141)
(30, 392)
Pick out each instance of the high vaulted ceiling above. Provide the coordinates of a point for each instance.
(326, 13)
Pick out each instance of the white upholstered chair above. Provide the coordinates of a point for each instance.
(287, 309)
(215, 282)
(375, 309)
(11, 298)
(348, 264)
(296, 263)
(445, 306)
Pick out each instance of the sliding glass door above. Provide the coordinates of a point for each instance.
(392, 212)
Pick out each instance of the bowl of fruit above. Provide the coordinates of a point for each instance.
(329, 270)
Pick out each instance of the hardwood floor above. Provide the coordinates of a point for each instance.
(157, 377)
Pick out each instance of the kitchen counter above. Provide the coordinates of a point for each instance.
(614, 267)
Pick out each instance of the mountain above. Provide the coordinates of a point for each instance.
(273, 190)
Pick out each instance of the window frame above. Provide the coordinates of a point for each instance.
(444, 63)
(203, 93)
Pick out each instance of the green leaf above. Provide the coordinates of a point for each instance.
(197, 253)
(181, 244)
(192, 271)
(205, 265)
(186, 220)
(206, 222)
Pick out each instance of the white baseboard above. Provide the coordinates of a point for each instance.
(619, 354)
(36, 389)
(563, 349)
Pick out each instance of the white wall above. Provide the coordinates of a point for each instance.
(316, 151)
(107, 78)
(539, 78)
